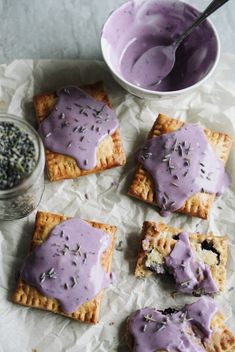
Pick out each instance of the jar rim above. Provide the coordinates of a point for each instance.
(40, 154)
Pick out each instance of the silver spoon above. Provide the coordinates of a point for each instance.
(161, 59)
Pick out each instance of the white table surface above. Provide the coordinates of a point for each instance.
(71, 28)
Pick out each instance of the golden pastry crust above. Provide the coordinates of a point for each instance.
(110, 151)
(29, 296)
(222, 339)
(199, 204)
(160, 238)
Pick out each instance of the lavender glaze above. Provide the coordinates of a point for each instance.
(139, 25)
(76, 125)
(67, 266)
(191, 276)
(181, 164)
(154, 330)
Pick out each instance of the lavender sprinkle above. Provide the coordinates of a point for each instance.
(82, 129)
(66, 91)
(149, 318)
(185, 283)
(64, 124)
(161, 327)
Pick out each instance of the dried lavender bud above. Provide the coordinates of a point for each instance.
(149, 318)
(74, 281)
(48, 134)
(67, 91)
(185, 283)
(119, 246)
(64, 124)
(82, 129)
(17, 155)
(144, 327)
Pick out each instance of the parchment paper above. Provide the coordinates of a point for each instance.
(25, 329)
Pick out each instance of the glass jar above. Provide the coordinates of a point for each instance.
(21, 200)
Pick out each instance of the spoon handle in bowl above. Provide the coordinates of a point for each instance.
(213, 6)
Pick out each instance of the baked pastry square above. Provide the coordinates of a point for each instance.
(29, 296)
(110, 151)
(221, 340)
(159, 239)
(199, 204)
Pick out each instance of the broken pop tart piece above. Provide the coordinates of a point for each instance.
(196, 261)
(196, 327)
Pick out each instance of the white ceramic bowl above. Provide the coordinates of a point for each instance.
(108, 53)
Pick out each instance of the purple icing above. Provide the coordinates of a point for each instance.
(181, 164)
(154, 330)
(76, 125)
(67, 266)
(201, 313)
(191, 276)
(140, 25)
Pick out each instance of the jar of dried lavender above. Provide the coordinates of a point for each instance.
(22, 161)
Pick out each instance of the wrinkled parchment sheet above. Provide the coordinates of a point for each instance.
(213, 104)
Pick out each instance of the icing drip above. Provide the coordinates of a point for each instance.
(76, 125)
(181, 164)
(154, 330)
(190, 275)
(67, 266)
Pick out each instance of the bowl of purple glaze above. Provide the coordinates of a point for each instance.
(138, 25)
